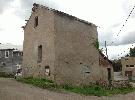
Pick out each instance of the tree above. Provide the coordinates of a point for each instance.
(132, 52)
(117, 66)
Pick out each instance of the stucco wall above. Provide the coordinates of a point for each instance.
(104, 64)
(128, 61)
(75, 51)
(68, 48)
(43, 35)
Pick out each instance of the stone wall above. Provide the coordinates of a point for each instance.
(43, 35)
(68, 48)
(77, 58)
(126, 62)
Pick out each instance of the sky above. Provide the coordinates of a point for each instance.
(108, 15)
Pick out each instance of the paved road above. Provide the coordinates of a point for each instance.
(13, 90)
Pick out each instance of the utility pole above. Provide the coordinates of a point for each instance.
(108, 69)
(106, 49)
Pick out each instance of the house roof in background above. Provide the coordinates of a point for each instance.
(9, 46)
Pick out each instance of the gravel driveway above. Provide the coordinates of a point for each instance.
(13, 90)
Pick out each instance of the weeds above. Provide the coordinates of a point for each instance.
(96, 89)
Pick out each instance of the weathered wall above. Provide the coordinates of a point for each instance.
(68, 48)
(128, 61)
(8, 65)
(104, 73)
(43, 35)
(77, 59)
(104, 64)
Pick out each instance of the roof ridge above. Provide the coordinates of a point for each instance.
(35, 6)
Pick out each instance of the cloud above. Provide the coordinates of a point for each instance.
(110, 35)
(4, 4)
(24, 10)
(129, 38)
(128, 6)
(1, 29)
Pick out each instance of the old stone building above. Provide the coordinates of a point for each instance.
(9, 58)
(128, 67)
(106, 67)
(60, 47)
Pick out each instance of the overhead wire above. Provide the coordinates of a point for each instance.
(124, 25)
(124, 22)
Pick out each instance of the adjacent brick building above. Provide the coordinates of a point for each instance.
(60, 47)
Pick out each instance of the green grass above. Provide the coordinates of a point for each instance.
(40, 82)
(87, 90)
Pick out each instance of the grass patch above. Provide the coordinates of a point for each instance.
(86, 90)
(5, 75)
(40, 82)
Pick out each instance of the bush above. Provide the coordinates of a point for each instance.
(121, 84)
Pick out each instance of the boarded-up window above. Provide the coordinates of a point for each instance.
(86, 69)
(40, 54)
(36, 21)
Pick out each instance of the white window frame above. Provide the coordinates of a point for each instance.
(5, 54)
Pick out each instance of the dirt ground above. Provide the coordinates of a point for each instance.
(13, 90)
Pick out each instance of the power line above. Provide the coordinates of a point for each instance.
(126, 20)
(123, 26)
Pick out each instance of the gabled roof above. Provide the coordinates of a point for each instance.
(35, 6)
(104, 57)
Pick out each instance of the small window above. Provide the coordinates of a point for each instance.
(40, 54)
(131, 65)
(36, 22)
(47, 70)
(127, 65)
(6, 54)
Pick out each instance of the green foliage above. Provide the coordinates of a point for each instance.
(40, 82)
(117, 66)
(132, 52)
(96, 44)
(127, 55)
(96, 90)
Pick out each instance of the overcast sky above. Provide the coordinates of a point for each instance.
(108, 15)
